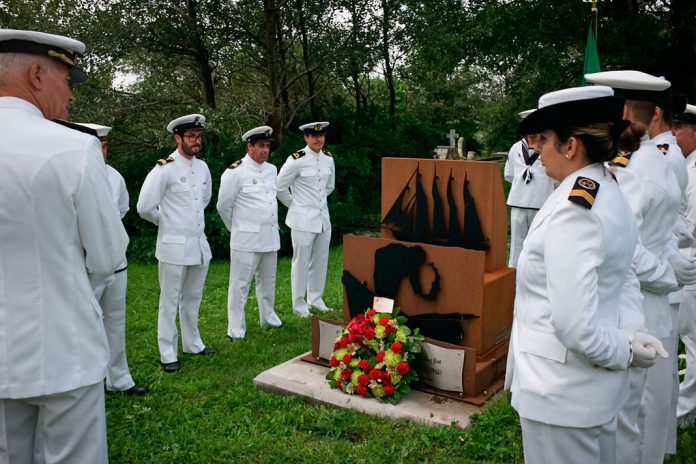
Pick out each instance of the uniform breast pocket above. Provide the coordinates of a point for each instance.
(173, 239)
(180, 188)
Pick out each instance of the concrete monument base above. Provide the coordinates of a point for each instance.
(296, 377)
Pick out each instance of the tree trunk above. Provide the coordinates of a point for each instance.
(311, 87)
(275, 118)
(201, 56)
(388, 67)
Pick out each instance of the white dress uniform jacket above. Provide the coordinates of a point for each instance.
(522, 194)
(569, 355)
(174, 196)
(119, 194)
(58, 225)
(653, 193)
(247, 205)
(304, 183)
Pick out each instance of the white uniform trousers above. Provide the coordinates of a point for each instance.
(686, 405)
(520, 220)
(310, 257)
(629, 437)
(552, 444)
(111, 295)
(181, 287)
(68, 427)
(659, 404)
(244, 266)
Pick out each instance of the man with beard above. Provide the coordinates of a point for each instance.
(173, 197)
(247, 205)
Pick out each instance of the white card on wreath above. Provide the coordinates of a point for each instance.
(383, 305)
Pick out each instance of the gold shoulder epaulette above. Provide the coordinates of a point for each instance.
(235, 164)
(163, 161)
(663, 147)
(298, 154)
(584, 192)
(621, 159)
(328, 153)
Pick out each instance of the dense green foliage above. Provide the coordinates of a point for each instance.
(211, 412)
(392, 76)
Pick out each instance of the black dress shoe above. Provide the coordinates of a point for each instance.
(205, 351)
(171, 367)
(138, 389)
(234, 339)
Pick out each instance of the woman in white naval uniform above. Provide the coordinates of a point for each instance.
(248, 206)
(529, 190)
(570, 349)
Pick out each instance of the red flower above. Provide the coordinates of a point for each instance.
(343, 342)
(385, 378)
(363, 379)
(352, 338)
(402, 368)
(375, 374)
(389, 390)
(396, 347)
(334, 361)
(371, 312)
(336, 346)
(389, 329)
(370, 333)
(380, 356)
(346, 359)
(384, 321)
(362, 391)
(364, 365)
(338, 384)
(345, 374)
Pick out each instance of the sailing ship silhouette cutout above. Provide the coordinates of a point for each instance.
(407, 219)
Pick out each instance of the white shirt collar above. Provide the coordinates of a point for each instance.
(15, 102)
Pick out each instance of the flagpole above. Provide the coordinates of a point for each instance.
(594, 19)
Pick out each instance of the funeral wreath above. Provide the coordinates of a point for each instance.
(373, 357)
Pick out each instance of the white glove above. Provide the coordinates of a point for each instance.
(684, 268)
(683, 234)
(645, 348)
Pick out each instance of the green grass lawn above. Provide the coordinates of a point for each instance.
(211, 412)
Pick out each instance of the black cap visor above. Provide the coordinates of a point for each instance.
(61, 55)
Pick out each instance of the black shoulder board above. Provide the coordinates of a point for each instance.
(328, 153)
(77, 127)
(298, 154)
(584, 192)
(235, 164)
(621, 159)
(162, 162)
(663, 147)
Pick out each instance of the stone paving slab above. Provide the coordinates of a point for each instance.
(300, 378)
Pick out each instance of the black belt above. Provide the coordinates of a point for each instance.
(120, 270)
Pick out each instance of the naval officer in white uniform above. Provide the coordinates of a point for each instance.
(304, 183)
(173, 197)
(59, 228)
(248, 206)
(111, 292)
(653, 191)
(570, 350)
(529, 190)
(684, 129)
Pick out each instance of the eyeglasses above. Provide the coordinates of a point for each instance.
(193, 137)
